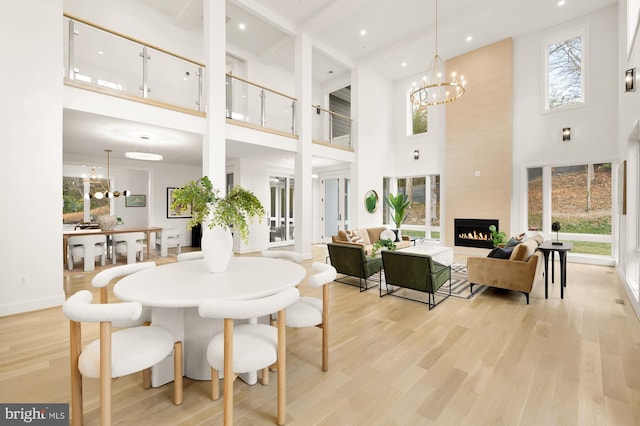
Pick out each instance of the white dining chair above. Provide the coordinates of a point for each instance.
(114, 354)
(312, 311)
(248, 347)
(191, 255)
(283, 254)
(87, 247)
(128, 244)
(166, 239)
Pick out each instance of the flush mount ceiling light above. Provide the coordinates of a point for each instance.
(99, 195)
(435, 89)
(145, 156)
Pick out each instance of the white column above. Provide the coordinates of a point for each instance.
(213, 144)
(303, 202)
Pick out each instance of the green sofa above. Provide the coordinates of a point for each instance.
(415, 271)
(351, 260)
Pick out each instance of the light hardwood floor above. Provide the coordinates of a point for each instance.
(490, 360)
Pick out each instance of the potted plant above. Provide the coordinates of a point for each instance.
(383, 243)
(218, 215)
(497, 237)
(398, 204)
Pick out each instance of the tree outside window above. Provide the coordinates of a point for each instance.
(419, 121)
(565, 73)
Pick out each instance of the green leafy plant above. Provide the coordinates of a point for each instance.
(371, 201)
(236, 210)
(398, 204)
(386, 243)
(497, 237)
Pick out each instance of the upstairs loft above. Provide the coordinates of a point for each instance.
(109, 63)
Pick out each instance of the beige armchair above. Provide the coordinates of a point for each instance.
(521, 272)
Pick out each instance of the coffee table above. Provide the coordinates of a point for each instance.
(441, 254)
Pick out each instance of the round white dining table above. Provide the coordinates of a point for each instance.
(175, 290)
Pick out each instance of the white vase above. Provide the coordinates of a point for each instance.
(217, 248)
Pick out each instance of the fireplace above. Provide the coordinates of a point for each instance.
(474, 232)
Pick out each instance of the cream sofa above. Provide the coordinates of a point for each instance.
(369, 236)
(521, 272)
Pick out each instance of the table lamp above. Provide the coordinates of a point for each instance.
(555, 226)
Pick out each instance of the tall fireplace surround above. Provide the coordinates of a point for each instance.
(474, 232)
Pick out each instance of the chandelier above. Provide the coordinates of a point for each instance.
(141, 155)
(99, 195)
(435, 89)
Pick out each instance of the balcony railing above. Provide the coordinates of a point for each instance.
(260, 106)
(123, 66)
(331, 127)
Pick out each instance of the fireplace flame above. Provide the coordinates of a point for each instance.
(479, 236)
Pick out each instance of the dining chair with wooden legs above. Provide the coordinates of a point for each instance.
(312, 311)
(114, 354)
(248, 347)
(102, 281)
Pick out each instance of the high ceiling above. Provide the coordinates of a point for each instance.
(399, 40)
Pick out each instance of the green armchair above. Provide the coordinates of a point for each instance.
(351, 260)
(417, 272)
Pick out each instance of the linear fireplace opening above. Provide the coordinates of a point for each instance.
(474, 232)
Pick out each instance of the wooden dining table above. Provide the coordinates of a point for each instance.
(78, 232)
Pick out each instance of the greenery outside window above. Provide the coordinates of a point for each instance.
(78, 208)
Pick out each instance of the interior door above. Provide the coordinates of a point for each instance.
(336, 204)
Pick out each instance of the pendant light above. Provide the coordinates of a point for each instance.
(98, 195)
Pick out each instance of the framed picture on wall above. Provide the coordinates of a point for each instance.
(171, 213)
(135, 201)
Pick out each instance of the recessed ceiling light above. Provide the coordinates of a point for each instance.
(404, 64)
(363, 32)
(242, 26)
(469, 38)
(561, 3)
(100, 52)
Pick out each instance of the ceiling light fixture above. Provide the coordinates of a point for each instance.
(99, 195)
(363, 32)
(144, 156)
(435, 89)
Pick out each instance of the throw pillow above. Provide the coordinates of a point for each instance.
(354, 236)
(514, 241)
(501, 253)
(388, 234)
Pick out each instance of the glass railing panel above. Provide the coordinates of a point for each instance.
(278, 112)
(173, 80)
(330, 127)
(259, 106)
(101, 59)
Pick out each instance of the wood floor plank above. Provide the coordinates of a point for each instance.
(492, 359)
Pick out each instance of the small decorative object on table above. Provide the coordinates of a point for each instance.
(382, 243)
(106, 222)
(555, 226)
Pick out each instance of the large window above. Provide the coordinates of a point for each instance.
(281, 225)
(77, 207)
(565, 65)
(423, 214)
(579, 198)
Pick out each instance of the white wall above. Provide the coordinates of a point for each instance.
(430, 144)
(537, 135)
(31, 162)
(627, 149)
(373, 111)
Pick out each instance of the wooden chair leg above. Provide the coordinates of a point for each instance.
(177, 373)
(215, 385)
(265, 376)
(325, 327)
(75, 338)
(273, 323)
(228, 372)
(146, 378)
(282, 369)
(105, 373)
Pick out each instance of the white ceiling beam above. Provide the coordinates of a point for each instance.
(256, 8)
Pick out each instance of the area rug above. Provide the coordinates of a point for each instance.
(460, 287)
